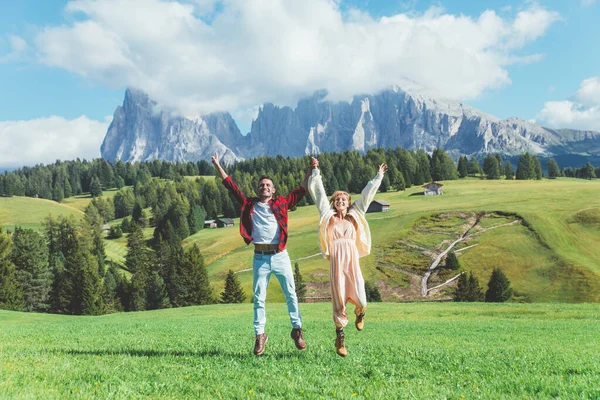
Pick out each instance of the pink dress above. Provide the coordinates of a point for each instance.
(345, 277)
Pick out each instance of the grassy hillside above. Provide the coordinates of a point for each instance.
(81, 201)
(552, 255)
(30, 213)
(417, 350)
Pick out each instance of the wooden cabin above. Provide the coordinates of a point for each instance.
(433, 189)
(378, 206)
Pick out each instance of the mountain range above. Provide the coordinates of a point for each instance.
(141, 130)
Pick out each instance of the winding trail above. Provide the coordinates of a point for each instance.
(466, 235)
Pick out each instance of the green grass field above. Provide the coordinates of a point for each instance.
(29, 213)
(413, 350)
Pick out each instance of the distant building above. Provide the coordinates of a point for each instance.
(224, 222)
(106, 227)
(210, 223)
(433, 188)
(378, 206)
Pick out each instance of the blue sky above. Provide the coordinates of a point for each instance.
(64, 65)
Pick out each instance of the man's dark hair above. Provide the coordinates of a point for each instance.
(266, 177)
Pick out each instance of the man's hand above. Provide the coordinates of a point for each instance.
(215, 161)
(383, 168)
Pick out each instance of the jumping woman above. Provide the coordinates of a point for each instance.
(344, 237)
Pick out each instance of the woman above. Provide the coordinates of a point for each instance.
(344, 237)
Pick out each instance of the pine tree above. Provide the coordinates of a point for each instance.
(537, 168)
(156, 293)
(499, 289)
(463, 165)
(553, 169)
(115, 232)
(11, 294)
(452, 261)
(196, 218)
(299, 283)
(140, 281)
(233, 292)
(137, 213)
(508, 171)
(125, 225)
(92, 230)
(372, 293)
(468, 289)
(88, 292)
(30, 257)
(95, 187)
(198, 284)
(523, 167)
(587, 171)
(109, 293)
(58, 193)
(135, 247)
(473, 167)
(68, 189)
(491, 167)
(475, 291)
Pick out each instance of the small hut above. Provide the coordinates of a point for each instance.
(224, 222)
(433, 188)
(378, 206)
(210, 223)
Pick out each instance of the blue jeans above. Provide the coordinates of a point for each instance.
(280, 265)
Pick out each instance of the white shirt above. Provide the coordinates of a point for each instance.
(265, 229)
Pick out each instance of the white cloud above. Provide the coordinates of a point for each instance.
(254, 51)
(17, 46)
(44, 140)
(588, 93)
(582, 111)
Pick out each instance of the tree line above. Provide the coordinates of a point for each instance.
(528, 167)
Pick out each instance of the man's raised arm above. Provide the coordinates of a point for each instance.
(220, 170)
(229, 184)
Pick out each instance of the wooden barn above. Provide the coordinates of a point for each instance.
(224, 222)
(378, 206)
(433, 188)
(210, 223)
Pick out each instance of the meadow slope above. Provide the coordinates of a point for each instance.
(551, 256)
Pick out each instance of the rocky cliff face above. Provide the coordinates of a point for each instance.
(140, 131)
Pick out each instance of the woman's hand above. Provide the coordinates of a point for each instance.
(383, 168)
(314, 163)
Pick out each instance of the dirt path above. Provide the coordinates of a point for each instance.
(438, 259)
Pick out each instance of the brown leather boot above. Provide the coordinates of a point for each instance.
(298, 338)
(259, 345)
(360, 321)
(340, 346)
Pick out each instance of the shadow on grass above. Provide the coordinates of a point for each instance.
(417, 194)
(175, 353)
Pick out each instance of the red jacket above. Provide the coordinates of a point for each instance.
(279, 206)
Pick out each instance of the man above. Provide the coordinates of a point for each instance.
(263, 222)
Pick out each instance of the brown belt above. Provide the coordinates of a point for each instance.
(266, 247)
(260, 248)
